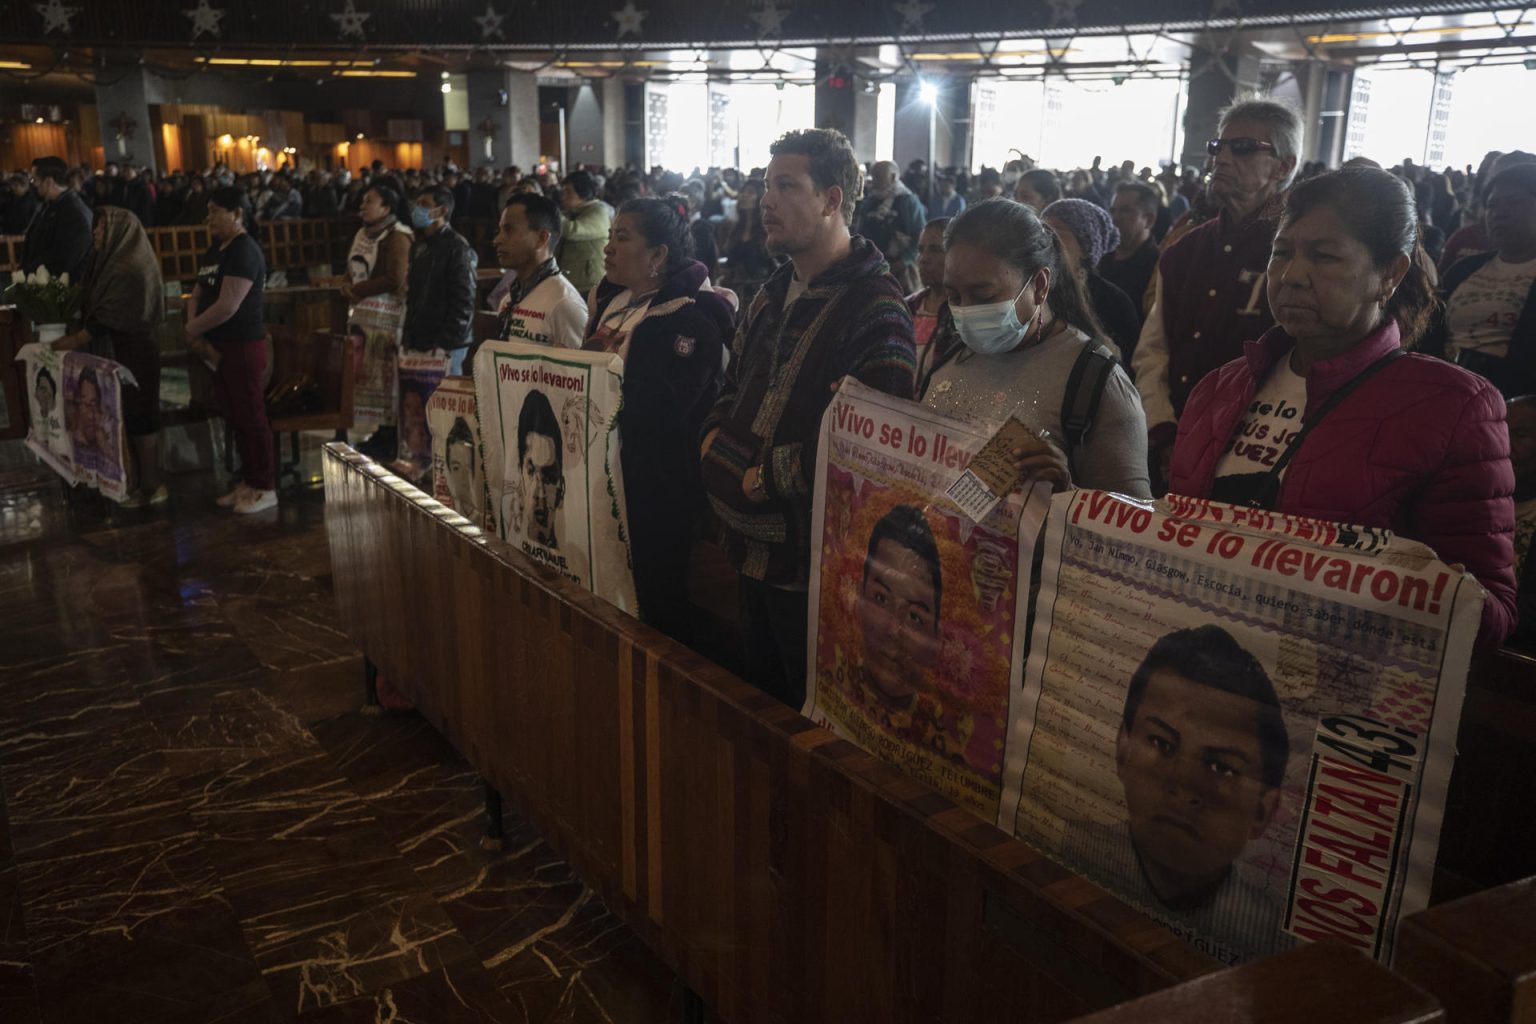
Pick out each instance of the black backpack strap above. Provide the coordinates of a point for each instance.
(1270, 489)
(1085, 391)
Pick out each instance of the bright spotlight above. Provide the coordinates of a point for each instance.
(929, 92)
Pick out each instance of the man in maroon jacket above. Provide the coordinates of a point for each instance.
(1209, 288)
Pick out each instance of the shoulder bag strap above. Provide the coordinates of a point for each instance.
(1271, 489)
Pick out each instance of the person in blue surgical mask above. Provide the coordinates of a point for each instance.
(1028, 345)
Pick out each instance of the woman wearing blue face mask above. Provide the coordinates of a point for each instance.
(1024, 327)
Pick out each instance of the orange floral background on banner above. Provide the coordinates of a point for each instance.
(963, 714)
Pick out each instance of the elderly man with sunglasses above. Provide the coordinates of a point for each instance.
(1209, 287)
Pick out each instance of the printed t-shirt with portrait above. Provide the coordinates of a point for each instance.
(1265, 431)
(1482, 313)
(552, 313)
(240, 258)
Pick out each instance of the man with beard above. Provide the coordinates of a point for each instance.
(832, 311)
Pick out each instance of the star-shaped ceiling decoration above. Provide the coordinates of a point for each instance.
(1063, 11)
(205, 19)
(912, 12)
(770, 20)
(56, 16)
(350, 21)
(490, 24)
(629, 19)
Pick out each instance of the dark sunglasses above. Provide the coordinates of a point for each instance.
(1240, 146)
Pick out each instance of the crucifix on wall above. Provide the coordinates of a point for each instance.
(125, 126)
(488, 129)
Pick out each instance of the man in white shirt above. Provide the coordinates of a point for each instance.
(541, 306)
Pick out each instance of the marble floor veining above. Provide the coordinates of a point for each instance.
(197, 824)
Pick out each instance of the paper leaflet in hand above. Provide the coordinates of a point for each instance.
(991, 473)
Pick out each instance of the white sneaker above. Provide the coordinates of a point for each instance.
(255, 501)
(233, 497)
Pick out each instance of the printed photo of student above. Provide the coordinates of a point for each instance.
(45, 392)
(898, 610)
(1200, 754)
(541, 471)
(460, 470)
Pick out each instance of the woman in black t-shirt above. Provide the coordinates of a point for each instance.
(227, 333)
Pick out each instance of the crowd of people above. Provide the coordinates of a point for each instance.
(1147, 326)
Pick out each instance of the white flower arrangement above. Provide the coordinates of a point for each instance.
(45, 299)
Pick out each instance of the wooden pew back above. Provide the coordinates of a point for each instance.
(322, 359)
(783, 873)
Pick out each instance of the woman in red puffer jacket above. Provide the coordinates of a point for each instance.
(1393, 439)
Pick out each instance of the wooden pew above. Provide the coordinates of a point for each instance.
(315, 362)
(1477, 955)
(300, 243)
(1321, 982)
(1489, 836)
(180, 249)
(10, 253)
(784, 874)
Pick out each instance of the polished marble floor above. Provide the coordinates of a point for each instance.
(197, 824)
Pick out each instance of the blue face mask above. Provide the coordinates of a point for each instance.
(993, 328)
(421, 217)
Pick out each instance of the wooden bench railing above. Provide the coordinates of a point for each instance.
(781, 872)
(1322, 982)
(784, 874)
(1476, 955)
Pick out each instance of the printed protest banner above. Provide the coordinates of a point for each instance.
(458, 480)
(43, 369)
(75, 401)
(913, 606)
(373, 325)
(549, 426)
(419, 375)
(1240, 722)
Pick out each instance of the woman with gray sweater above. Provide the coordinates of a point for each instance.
(1029, 346)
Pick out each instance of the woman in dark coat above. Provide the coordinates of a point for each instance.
(655, 309)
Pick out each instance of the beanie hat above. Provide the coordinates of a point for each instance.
(1096, 233)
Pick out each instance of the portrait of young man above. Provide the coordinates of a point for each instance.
(541, 471)
(1200, 754)
(459, 470)
(898, 609)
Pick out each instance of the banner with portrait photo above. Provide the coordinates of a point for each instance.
(373, 330)
(458, 480)
(913, 635)
(76, 407)
(549, 430)
(418, 376)
(1241, 723)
